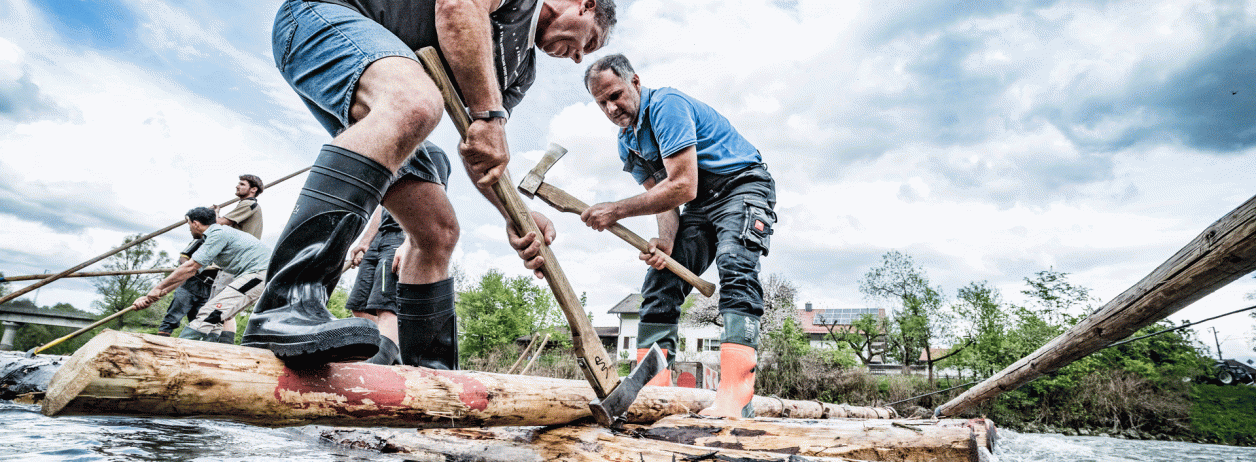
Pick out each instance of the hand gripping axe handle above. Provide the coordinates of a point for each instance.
(534, 185)
(614, 396)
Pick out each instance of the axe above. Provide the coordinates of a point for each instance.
(534, 185)
(614, 396)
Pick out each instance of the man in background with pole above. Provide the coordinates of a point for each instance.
(247, 217)
(236, 252)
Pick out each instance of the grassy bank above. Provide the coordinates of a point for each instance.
(1224, 414)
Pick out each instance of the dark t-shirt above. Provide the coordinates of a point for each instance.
(414, 22)
(388, 223)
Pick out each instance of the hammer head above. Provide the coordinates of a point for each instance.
(536, 176)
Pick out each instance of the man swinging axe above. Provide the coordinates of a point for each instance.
(686, 153)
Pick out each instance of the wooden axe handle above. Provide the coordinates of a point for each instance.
(594, 362)
(562, 201)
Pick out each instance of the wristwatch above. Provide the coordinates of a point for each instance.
(490, 115)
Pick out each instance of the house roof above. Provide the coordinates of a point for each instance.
(817, 321)
(934, 352)
(629, 305)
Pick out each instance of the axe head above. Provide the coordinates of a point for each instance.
(536, 176)
(609, 411)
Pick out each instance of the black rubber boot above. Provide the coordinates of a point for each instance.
(389, 354)
(427, 325)
(227, 337)
(291, 317)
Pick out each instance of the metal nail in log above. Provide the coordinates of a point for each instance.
(534, 185)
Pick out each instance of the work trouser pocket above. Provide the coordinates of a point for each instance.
(757, 223)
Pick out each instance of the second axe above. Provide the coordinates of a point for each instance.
(534, 185)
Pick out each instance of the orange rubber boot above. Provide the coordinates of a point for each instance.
(732, 397)
(664, 378)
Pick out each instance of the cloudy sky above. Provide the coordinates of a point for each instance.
(987, 140)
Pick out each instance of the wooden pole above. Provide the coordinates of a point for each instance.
(1224, 252)
(45, 281)
(524, 354)
(591, 356)
(149, 375)
(88, 274)
(536, 354)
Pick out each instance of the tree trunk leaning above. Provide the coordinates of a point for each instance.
(1224, 252)
(140, 374)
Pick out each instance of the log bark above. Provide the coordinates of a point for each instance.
(905, 440)
(1224, 252)
(140, 374)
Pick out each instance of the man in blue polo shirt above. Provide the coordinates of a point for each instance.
(686, 153)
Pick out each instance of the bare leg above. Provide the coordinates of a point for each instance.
(424, 212)
(395, 107)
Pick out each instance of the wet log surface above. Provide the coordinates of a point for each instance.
(139, 374)
(689, 438)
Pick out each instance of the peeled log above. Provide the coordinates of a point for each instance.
(139, 374)
(575, 443)
(904, 440)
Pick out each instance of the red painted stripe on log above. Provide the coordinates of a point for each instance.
(473, 393)
(359, 384)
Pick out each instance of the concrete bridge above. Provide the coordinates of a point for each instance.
(13, 317)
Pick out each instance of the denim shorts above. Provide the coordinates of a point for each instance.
(322, 49)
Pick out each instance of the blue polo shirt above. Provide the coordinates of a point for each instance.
(669, 121)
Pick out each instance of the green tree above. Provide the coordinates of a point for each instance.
(499, 310)
(920, 318)
(117, 292)
(866, 336)
(983, 320)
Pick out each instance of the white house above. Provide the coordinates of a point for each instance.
(702, 344)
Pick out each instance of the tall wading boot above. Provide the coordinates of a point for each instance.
(738, 359)
(665, 335)
(389, 354)
(291, 317)
(427, 325)
(664, 377)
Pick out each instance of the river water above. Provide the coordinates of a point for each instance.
(28, 436)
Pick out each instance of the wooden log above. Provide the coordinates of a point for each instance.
(575, 443)
(905, 440)
(1224, 252)
(140, 374)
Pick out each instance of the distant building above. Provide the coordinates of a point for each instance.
(702, 344)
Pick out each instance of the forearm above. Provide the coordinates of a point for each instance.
(669, 222)
(666, 196)
(465, 36)
(175, 279)
(372, 228)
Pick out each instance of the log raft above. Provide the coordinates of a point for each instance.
(139, 374)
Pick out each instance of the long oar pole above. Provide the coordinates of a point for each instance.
(38, 350)
(87, 274)
(45, 281)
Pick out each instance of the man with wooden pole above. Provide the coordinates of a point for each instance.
(352, 62)
(685, 153)
(235, 252)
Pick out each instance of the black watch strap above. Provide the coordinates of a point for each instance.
(490, 115)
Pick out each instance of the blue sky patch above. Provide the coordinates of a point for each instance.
(97, 24)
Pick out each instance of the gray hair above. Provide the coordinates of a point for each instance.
(604, 17)
(617, 63)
